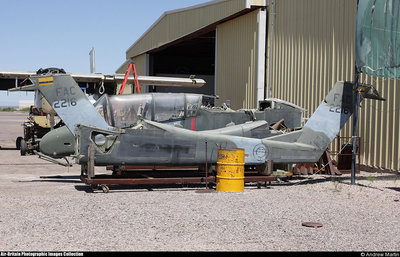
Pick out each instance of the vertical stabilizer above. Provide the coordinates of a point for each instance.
(68, 100)
(308, 144)
(330, 117)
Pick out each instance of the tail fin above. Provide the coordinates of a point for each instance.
(329, 118)
(308, 144)
(333, 113)
(68, 100)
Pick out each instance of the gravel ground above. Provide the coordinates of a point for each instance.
(61, 214)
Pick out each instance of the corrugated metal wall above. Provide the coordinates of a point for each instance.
(140, 63)
(380, 125)
(237, 61)
(313, 48)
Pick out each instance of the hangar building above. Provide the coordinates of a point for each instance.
(248, 50)
(203, 40)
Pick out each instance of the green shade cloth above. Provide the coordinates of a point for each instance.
(378, 38)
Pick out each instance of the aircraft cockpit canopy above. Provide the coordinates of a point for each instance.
(122, 111)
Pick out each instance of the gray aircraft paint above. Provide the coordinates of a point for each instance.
(158, 106)
(306, 146)
(154, 143)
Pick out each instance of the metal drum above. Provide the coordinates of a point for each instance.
(230, 170)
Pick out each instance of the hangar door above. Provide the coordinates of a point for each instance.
(189, 56)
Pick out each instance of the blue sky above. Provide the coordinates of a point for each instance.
(41, 33)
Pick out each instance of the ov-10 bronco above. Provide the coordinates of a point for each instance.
(190, 111)
(152, 143)
(41, 118)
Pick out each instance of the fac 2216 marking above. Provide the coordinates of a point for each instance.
(68, 101)
(338, 109)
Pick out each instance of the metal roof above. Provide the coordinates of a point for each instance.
(180, 23)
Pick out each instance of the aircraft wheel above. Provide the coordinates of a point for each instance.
(23, 148)
(105, 188)
(18, 143)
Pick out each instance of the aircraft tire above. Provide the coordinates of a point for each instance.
(24, 147)
(50, 70)
(18, 143)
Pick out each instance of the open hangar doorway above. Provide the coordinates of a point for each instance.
(188, 56)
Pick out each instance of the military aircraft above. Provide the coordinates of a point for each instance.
(190, 111)
(41, 117)
(183, 110)
(152, 143)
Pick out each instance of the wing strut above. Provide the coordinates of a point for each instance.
(133, 67)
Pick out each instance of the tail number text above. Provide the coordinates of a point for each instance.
(63, 103)
(338, 109)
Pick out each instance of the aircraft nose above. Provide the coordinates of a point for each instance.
(57, 143)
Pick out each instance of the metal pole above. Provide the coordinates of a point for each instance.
(356, 104)
(92, 61)
(272, 13)
(206, 168)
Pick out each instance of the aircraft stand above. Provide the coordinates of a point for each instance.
(157, 177)
(152, 175)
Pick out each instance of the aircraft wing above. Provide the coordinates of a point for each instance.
(143, 80)
(15, 74)
(12, 78)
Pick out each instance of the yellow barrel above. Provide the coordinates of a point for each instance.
(230, 170)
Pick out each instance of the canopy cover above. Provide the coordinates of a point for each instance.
(378, 38)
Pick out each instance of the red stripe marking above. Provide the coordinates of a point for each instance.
(193, 123)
